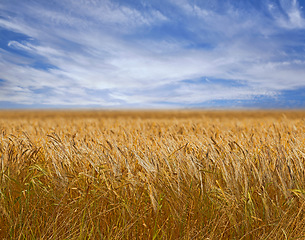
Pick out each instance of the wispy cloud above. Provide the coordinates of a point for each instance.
(288, 14)
(114, 53)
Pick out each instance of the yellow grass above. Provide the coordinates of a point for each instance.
(152, 175)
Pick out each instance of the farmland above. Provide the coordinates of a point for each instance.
(152, 175)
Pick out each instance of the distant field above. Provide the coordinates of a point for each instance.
(152, 175)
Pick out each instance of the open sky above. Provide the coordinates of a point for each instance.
(152, 54)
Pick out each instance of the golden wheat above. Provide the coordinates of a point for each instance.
(152, 175)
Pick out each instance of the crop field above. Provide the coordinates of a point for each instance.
(152, 175)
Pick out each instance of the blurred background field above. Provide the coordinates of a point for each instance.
(152, 174)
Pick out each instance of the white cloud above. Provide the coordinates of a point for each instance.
(105, 46)
(19, 27)
(288, 14)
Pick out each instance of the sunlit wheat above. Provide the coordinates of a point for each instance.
(152, 175)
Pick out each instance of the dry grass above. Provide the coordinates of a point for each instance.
(152, 175)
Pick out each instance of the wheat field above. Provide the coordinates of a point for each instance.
(152, 175)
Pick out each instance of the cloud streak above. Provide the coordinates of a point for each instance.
(122, 54)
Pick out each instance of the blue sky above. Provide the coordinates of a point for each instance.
(152, 54)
